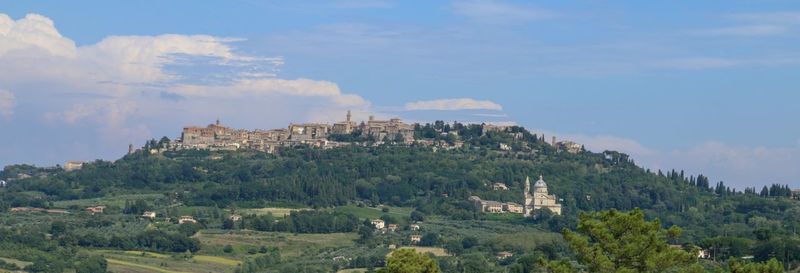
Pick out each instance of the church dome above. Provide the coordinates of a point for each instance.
(540, 183)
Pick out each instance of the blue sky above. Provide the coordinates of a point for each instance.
(705, 86)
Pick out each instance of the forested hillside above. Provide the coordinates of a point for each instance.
(434, 181)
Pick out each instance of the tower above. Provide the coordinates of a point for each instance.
(217, 122)
(554, 141)
(130, 148)
(348, 116)
(527, 205)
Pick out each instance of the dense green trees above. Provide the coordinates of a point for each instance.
(617, 242)
(409, 261)
(771, 266)
(92, 264)
(305, 221)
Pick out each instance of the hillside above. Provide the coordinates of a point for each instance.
(436, 181)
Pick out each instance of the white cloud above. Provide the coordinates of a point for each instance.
(453, 105)
(33, 31)
(7, 103)
(780, 17)
(747, 30)
(362, 4)
(492, 11)
(699, 63)
(120, 71)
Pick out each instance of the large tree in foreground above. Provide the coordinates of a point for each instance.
(618, 242)
(409, 261)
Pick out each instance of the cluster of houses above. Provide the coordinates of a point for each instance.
(380, 225)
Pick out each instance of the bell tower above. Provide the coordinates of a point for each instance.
(527, 205)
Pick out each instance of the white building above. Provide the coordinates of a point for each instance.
(73, 165)
(378, 223)
(186, 219)
(540, 199)
(500, 186)
(149, 214)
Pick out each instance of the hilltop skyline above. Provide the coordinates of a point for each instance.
(706, 88)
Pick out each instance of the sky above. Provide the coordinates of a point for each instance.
(708, 87)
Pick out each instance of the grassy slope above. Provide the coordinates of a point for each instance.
(373, 213)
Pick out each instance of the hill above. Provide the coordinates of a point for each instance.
(435, 180)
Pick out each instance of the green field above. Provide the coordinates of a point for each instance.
(374, 213)
(436, 251)
(106, 201)
(353, 270)
(123, 266)
(143, 261)
(277, 212)
(291, 245)
(19, 263)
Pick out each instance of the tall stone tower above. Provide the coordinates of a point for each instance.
(130, 148)
(527, 206)
(348, 116)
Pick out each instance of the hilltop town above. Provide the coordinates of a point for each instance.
(218, 137)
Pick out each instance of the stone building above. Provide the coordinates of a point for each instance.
(380, 129)
(73, 165)
(569, 146)
(512, 207)
(344, 127)
(540, 199)
(308, 131)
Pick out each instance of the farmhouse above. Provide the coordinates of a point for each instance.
(378, 223)
(149, 214)
(186, 219)
(500, 186)
(96, 209)
(504, 255)
(415, 239)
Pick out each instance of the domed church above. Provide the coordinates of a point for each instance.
(540, 198)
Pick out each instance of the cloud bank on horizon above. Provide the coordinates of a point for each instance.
(89, 99)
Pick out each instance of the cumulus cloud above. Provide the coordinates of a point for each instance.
(120, 69)
(493, 11)
(453, 105)
(33, 31)
(7, 103)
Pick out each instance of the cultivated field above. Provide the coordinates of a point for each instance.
(107, 201)
(277, 212)
(142, 261)
(291, 245)
(436, 251)
(373, 213)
